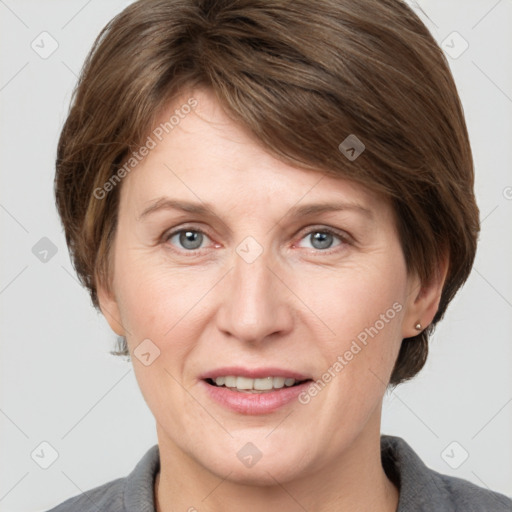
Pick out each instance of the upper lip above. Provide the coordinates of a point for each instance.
(254, 373)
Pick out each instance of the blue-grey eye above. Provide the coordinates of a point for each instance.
(189, 239)
(321, 240)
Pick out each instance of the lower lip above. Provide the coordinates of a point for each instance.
(254, 403)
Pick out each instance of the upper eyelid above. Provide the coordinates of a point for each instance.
(171, 232)
(320, 228)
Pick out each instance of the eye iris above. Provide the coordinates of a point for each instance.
(324, 240)
(191, 239)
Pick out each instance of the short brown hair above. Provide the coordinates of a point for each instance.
(302, 75)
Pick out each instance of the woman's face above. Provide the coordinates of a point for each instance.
(263, 280)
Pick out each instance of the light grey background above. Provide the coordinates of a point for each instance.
(59, 384)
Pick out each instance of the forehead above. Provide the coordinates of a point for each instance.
(200, 154)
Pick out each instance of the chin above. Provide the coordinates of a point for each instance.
(267, 471)
(262, 476)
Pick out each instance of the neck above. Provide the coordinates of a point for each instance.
(353, 481)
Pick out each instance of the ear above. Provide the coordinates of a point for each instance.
(423, 300)
(109, 307)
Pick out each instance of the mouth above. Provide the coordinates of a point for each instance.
(254, 392)
(243, 384)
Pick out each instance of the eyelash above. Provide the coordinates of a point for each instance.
(344, 239)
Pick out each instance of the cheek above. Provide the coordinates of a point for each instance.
(165, 307)
(350, 299)
(159, 302)
(361, 308)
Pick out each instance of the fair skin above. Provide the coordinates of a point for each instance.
(297, 306)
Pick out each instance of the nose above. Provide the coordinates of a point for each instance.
(256, 303)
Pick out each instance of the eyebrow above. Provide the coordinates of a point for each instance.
(206, 210)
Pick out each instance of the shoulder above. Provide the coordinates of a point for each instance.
(132, 493)
(468, 497)
(423, 490)
(107, 498)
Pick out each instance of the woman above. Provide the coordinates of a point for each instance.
(272, 204)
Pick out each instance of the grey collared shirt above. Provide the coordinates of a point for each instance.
(421, 488)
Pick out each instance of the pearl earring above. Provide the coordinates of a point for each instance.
(418, 326)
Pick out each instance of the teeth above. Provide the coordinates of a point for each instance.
(279, 382)
(244, 383)
(247, 384)
(229, 382)
(263, 384)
